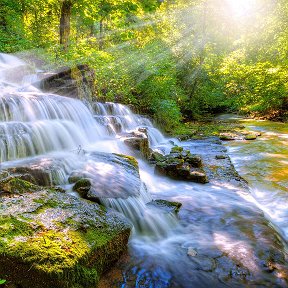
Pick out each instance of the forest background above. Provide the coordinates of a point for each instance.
(177, 61)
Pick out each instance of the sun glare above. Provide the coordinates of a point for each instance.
(241, 8)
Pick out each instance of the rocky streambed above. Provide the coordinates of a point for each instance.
(222, 239)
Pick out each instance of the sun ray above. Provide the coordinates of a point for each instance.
(241, 8)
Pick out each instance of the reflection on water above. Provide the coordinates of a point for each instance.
(263, 163)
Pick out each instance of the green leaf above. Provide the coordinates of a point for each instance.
(2, 281)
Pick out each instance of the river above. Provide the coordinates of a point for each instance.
(220, 237)
(263, 163)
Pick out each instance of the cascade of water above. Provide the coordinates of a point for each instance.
(35, 123)
(145, 219)
(119, 118)
(23, 139)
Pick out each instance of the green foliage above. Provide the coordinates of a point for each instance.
(2, 281)
(165, 57)
(168, 114)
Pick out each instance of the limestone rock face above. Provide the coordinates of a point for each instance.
(52, 239)
(76, 82)
(138, 140)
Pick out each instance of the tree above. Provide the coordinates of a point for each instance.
(65, 16)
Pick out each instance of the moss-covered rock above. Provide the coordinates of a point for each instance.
(82, 186)
(227, 136)
(177, 149)
(250, 137)
(165, 205)
(14, 185)
(156, 157)
(52, 239)
(182, 165)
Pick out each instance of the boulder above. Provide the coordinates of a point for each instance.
(138, 140)
(107, 175)
(76, 82)
(42, 171)
(228, 136)
(82, 186)
(180, 164)
(51, 239)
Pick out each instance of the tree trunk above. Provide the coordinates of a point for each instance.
(101, 36)
(3, 22)
(65, 24)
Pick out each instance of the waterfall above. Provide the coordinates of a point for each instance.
(52, 132)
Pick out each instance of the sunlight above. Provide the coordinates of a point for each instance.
(241, 8)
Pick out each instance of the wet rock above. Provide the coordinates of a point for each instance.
(35, 174)
(51, 239)
(194, 160)
(156, 157)
(76, 82)
(191, 252)
(250, 137)
(14, 185)
(165, 205)
(82, 186)
(111, 176)
(220, 157)
(182, 165)
(138, 140)
(198, 177)
(39, 170)
(227, 136)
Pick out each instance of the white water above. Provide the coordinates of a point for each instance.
(53, 132)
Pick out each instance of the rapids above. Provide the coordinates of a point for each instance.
(220, 237)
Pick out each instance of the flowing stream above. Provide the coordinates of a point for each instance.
(220, 237)
(264, 164)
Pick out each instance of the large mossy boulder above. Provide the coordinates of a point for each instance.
(180, 165)
(52, 239)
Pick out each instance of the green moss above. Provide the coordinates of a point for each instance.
(51, 251)
(46, 204)
(176, 149)
(130, 159)
(69, 245)
(250, 137)
(17, 186)
(11, 227)
(206, 129)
